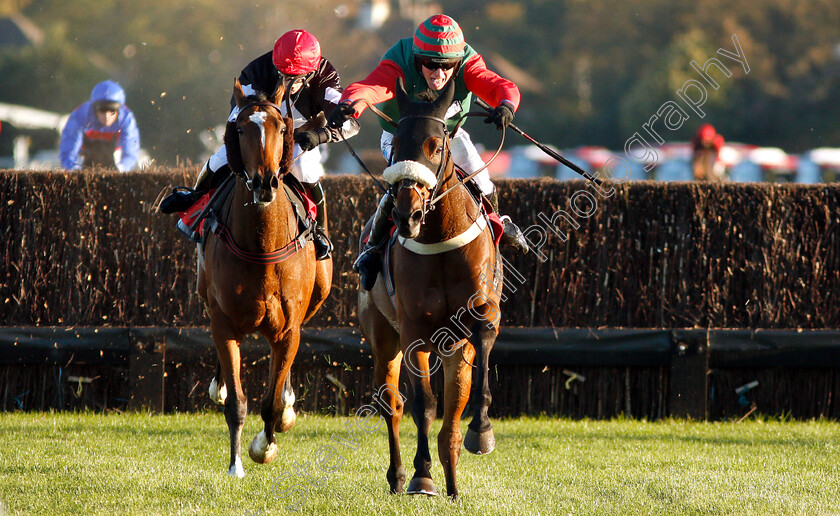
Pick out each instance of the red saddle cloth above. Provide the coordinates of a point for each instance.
(188, 217)
(496, 225)
(308, 204)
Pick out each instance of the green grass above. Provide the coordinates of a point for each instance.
(82, 463)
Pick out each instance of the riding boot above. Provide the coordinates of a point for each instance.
(369, 262)
(511, 235)
(323, 246)
(181, 199)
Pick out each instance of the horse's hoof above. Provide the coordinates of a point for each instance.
(236, 469)
(216, 394)
(479, 444)
(396, 479)
(261, 451)
(421, 485)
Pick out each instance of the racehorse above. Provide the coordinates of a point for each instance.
(443, 307)
(257, 275)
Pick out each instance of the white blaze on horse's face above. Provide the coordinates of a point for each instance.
(259, 118)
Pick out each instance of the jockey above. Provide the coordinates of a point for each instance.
(314, 88)
(99, 127)
(435, 55)
(707, 144)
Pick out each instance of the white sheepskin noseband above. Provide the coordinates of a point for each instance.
(410, 170)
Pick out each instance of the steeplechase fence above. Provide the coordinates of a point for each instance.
(644, 299)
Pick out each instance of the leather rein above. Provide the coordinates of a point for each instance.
(224, 234)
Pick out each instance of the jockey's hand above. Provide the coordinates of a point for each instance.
(502, 116)
(340, 114)
(307, 140)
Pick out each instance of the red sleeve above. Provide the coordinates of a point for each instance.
(488, 85)
(718, 142)
(377, 87)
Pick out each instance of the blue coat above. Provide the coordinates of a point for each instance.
(83, 130)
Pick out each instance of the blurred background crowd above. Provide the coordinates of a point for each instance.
(591, 73)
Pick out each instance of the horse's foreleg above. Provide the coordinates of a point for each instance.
(424, 409)
(387, 374)
(227, 348)
(480, 439)
(457, 379)
(277, 404)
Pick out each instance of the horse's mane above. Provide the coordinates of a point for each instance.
(234, 152)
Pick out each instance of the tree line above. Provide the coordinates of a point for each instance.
(592, 73)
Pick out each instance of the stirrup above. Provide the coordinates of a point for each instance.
(183, 228)
(368, 265)
(512, 236)
(363, 256)
(323, 245)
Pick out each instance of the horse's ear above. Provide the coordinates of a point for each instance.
(402, 96)
(446, 96)
(277, 96)
(238, 96)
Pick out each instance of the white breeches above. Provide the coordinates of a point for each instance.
(309, 168)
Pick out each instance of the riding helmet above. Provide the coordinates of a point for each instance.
(107, 94)
(296, 52)
(439, 37)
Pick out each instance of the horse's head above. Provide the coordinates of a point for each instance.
(260, 142)
(421, 157)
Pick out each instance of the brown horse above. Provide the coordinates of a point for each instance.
(244, 287)
(443, 311)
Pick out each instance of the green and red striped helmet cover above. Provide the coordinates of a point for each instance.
(440, 37)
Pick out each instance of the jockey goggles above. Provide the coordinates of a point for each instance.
(436, 63)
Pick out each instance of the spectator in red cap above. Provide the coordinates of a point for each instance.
(313, 87)
(706, 160)
(435, 55)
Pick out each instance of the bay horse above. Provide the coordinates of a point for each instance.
(442, 307)
(245, 286)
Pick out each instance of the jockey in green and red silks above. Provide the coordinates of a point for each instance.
(435, 55)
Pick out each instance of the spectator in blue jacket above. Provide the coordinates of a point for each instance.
(98, 128)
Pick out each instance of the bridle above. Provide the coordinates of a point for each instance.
(446, 155)
(249, 181)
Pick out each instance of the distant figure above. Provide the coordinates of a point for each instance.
(706, 160)
(97, 129)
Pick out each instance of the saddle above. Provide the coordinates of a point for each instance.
(205, 212)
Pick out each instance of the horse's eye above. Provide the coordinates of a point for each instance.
(240, 130)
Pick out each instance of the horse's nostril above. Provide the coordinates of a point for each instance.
(417, 215)
(275, 183)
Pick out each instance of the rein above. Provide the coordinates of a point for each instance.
(467, 178)
(219, 229)
(434, 198)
